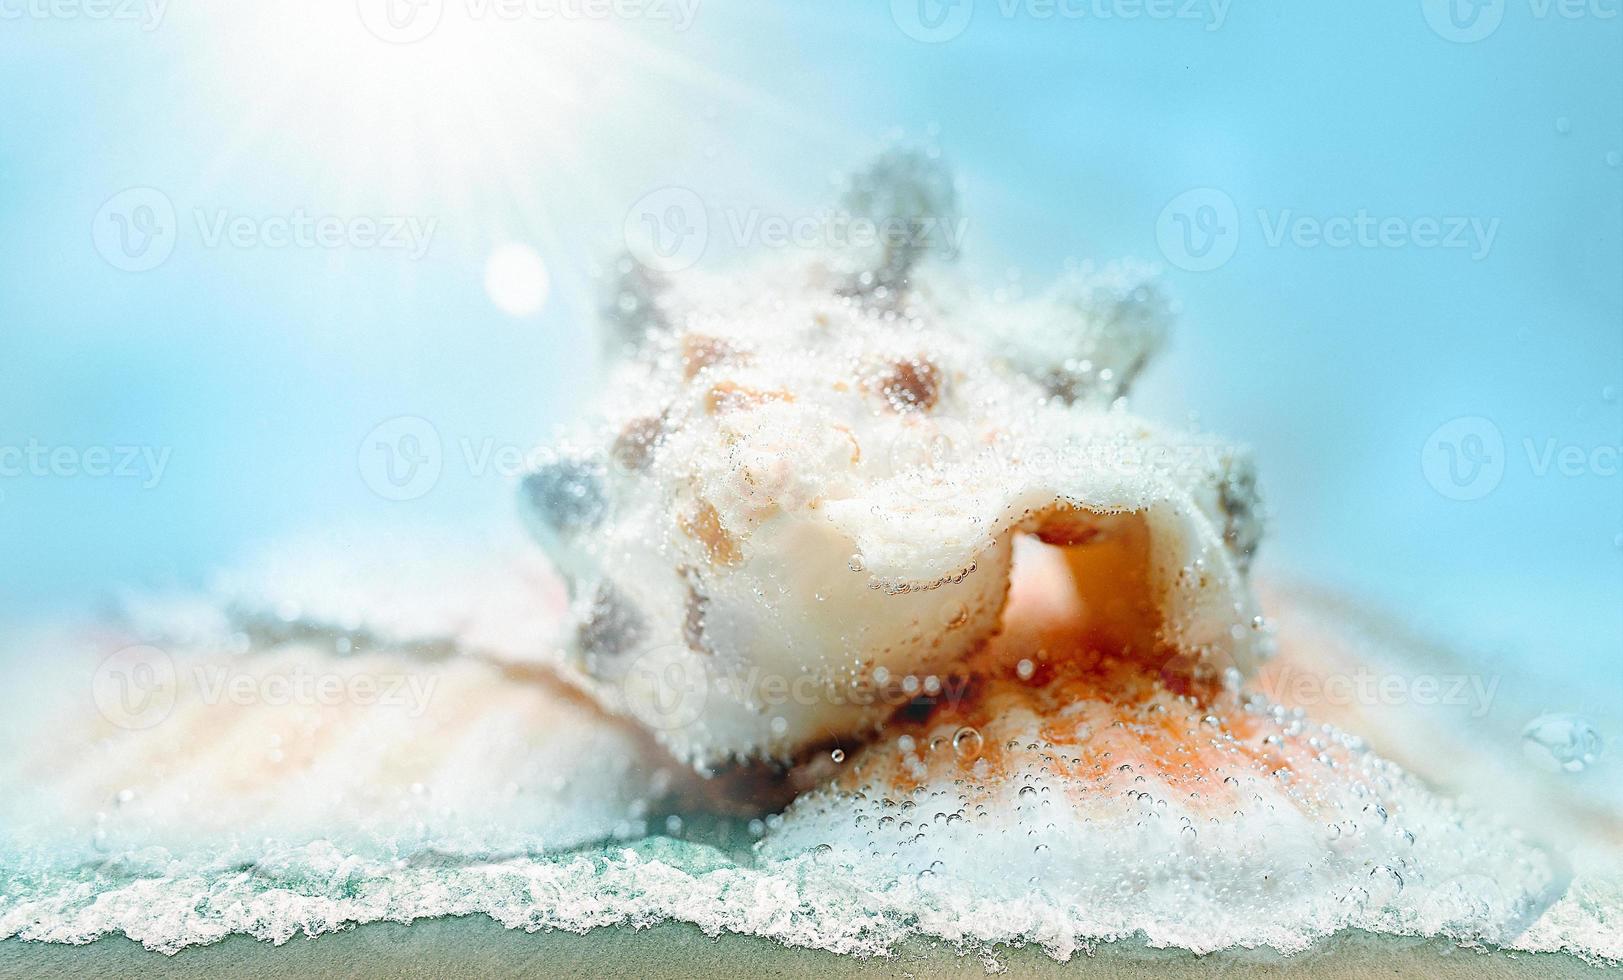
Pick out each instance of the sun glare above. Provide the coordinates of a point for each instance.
(516, 279)
(495, 116)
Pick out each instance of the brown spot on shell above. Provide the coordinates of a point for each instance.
(634, 446)
(912, 386)
(700, 351)
(730, 396)
(704, 525)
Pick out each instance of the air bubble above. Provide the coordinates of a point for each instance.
(967, 743)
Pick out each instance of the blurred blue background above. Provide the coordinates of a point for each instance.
(257, 370)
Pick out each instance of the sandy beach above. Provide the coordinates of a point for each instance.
(476, 946)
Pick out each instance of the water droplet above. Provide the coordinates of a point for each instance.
(1561, 742)
(855, 563)
(1384, 883)
(1025, 669)
(967, 743)
(838, 755)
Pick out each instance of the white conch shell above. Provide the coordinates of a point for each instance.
(803, 509)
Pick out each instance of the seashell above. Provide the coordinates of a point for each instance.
(800, 496)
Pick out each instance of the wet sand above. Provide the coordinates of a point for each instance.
(476, 946)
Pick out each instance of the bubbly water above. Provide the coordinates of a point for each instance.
(491, 791)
